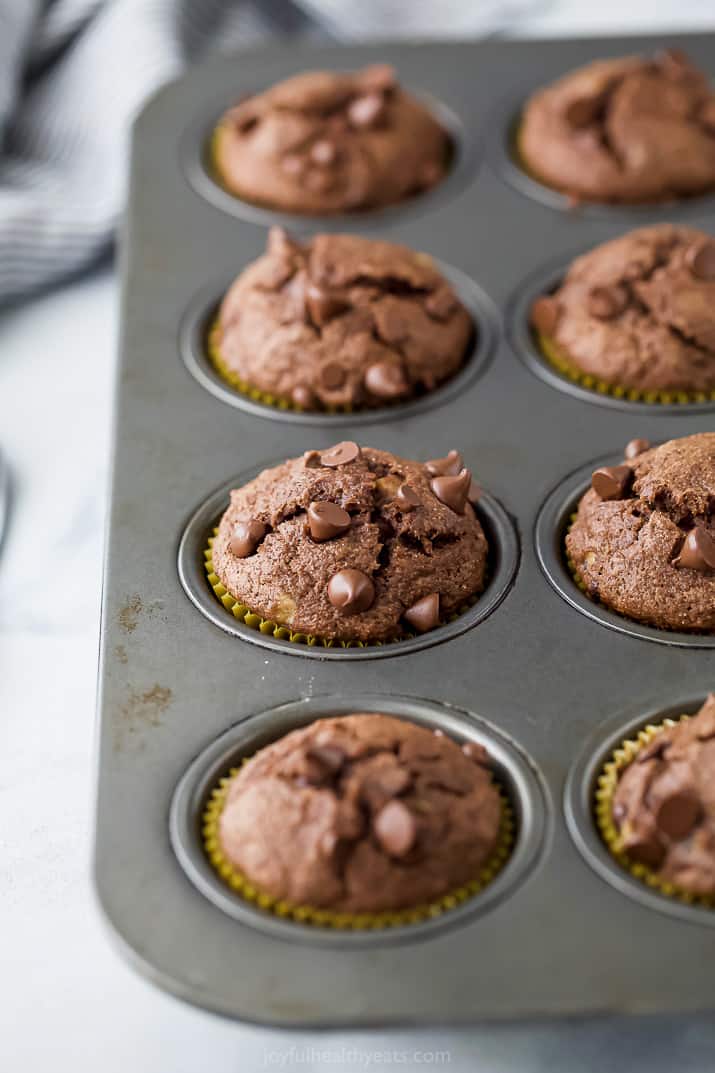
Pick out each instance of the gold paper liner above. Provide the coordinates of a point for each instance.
(621, 758)
(326, 918)
(561, 363)
(255, 621)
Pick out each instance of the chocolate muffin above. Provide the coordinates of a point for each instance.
(643, 541)
(638, 312)
(664, 804)
(326, 142)
(340, 322)
(354, 544)
(361, 813)
(626, 130)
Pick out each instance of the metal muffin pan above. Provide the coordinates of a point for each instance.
(515, 773)
(536, 672)
(203, 310)
(502, 566)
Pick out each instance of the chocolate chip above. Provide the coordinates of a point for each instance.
(407, 499)
(332, 376)
(302, 396)
(645, 848)
(678, 812)
(339, 455)
(366, 111)
(424, 615)
(582, 111)
(395, 829)
(654, 751)
(474, 494)
(351, 591)
(635, 448)
(327, 520)
(698, 551)
(440, 304)
(611, 482)
(476, 752)
(605, 303)
(384, 784)
(544, 315)
(378, 77)
(386, 380)
(700, 259)
(330, 757)
(323, 305)
(280, 244)
(391, 325)
(453, 491)
(449, 466)
(247, 535)
(323, 152)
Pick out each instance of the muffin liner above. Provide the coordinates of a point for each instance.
(607, 783)
(255, 621)
(562, 364)
(327, 918)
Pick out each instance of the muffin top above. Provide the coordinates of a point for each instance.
(342, 321)
(643, 542)
(362, 813)
(639, 311)
(326, 142)
(630, 130)
(664, 805)
(354, 544)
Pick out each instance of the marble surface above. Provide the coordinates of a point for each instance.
(68, 1000)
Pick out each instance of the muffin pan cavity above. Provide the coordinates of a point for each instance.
(515, 774)
(202, 312)
(552, 524)
(195, 152)
(502, 567)
(526, 346)
(580, 805)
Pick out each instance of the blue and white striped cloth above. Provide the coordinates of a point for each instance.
(73, 73)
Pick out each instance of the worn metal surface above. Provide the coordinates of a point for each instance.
(555, 681)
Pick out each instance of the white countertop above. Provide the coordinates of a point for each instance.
(68, 1000)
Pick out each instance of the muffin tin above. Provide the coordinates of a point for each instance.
(183, 695)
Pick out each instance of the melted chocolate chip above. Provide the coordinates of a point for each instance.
(476, 752)
(332, 376)
(698, 551)
(366, 111)
(424, 615)
(395, 829)
(302, 396)
(327, 520)
(323, 305)
(700, 259)
(449, 466)
(453, 491)
(678, 812)
(351, 591)
(635, 448)
(386, 380)
(247, 535)
(340, 454)
(440, 304)
(605, 303)
(611, 482)
(330, 757)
